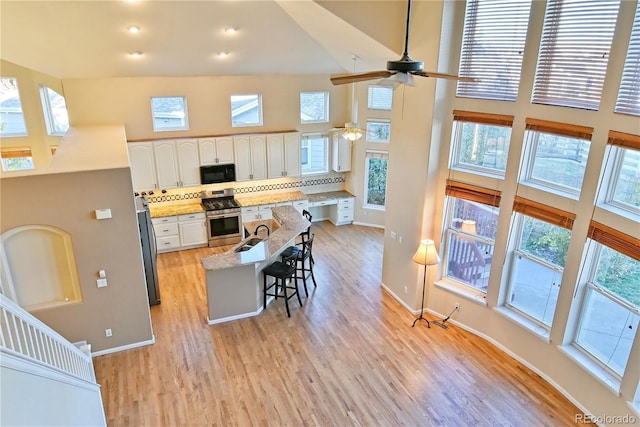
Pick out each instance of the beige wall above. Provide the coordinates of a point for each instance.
(66, 198)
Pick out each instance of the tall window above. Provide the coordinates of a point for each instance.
(380, 97)
(481, 142)
(314, 107)
(471, 223)
(629, 93)
(55, 111)
(375, 186)
(623, 170)
(574, 52)
(314, 153)
(557, 155)
(492, 48)
(246, 110)
(611, 303)
(542, 236)
(11, 115)
(169, 113)
(16, 158)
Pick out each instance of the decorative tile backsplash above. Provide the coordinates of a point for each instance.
(173, 196)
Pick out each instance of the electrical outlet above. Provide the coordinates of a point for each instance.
(393, 235)
(108, 332)
(405, 289)
(457, 306)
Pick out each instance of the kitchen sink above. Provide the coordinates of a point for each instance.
(249, 244)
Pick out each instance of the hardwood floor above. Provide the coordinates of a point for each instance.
(349, 357)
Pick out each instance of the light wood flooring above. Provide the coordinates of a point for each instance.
(349, 357)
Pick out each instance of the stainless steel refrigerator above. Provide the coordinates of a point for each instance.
(149, 249)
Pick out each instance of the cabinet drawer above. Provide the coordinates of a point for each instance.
(167, 243)
(266, 207)
(249, 210)
(166, 229)
(345, 203)
(301, 204)
(323, 202)
(164, 220)
(192, 217)
(284, 204)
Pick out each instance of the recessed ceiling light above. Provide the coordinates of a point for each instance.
(136, 54)
(230, 30)
(223, 54)
(134, 29)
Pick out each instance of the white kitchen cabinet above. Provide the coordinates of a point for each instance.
(166, 163)
(167, 234)
(256, 213)
(143, 166)
(342, 212)
(192, 229)
(188, 162)
(216, 150)
(341, 154)
(177, 163)
(301, 205)
(283, 154)
(251, 157)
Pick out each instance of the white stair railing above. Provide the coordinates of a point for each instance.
(26, 337)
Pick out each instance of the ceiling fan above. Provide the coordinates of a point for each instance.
(402, 70)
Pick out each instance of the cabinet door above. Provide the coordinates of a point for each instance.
(207, 149)
(193, 233)
(292, 154)
(258, 156)
(224, 150)
(341, 161)
(143, 168)
(166, 164)
(242, 152)
(275, 155)
(188, 162)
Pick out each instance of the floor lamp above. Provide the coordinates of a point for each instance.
(425, 255)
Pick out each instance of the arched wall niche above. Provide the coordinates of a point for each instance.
(39, 267)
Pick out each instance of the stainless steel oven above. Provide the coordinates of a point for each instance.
(224, 222)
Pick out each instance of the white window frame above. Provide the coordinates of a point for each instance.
(371, 97)
(259, 107)
(456, 150)
(185, 114)
(371, 136)
(21, 113)
(628, 101)
(616, 168)
(50, 118)
(304, 138)
(370, 154)
(325, 118)
(9, 153)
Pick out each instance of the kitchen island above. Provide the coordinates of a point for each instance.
(234, 279)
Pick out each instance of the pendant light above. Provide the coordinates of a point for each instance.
(351, 130)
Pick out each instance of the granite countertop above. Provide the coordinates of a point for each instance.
(291, 223)
(177, 209)
(290, 196)
(318, 197)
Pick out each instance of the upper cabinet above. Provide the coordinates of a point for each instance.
(188, 162)
(283, 154)
(341, 154)
(216, 150)
(143, 167)
(251, 157)
(177, 163)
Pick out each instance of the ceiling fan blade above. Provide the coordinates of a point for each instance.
(443, 76)
(341, 79)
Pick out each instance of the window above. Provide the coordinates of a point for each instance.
(314, 153)
(375, 186)
(542, 236)
(378, 130)
(611, 303)
(314, 107)
(11, 116)
(169, 113)
(629, 93)
(492, 48)
(557, 155)
(481, 142)
(246, 110)
(55, 111)
(471, 223)
(16, 158)
(380, 97)
(624, 186)
(574, 52)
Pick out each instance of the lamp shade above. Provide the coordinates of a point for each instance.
(469, 226)
(426, 253)
(351, 132)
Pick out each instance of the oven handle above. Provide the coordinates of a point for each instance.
(218, 216)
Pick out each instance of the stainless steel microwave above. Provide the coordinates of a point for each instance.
(214, 174)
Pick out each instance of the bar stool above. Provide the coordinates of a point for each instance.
(302, 252)
(282, 271)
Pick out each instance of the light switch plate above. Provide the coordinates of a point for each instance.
(101, 283)
(103, 213)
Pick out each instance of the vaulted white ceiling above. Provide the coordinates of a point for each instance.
(89, 39)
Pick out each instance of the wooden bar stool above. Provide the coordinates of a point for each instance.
(281, 271)
(303, 252)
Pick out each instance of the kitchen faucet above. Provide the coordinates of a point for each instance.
(255, 233)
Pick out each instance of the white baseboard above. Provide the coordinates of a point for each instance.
(397, 298)
(366, 224)
(124, 347)
(234, 317)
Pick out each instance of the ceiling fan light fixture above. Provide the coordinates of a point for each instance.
(351, 132)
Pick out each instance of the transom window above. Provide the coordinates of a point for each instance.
(314, 107)
(54, 108)
(375, 186)
(380, 97)
(314, 153)
(246, 110)
(169, 113)
(16, 158)
(11, 116)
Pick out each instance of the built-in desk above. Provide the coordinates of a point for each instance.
(337, 206)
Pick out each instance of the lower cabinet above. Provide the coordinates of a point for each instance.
(256, 213)
(178, 232)
(342, 213)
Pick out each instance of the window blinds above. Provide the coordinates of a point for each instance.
(574, 52)
(544, 213)
(484, 118)
(374, 154)
(629, 93)
(492, 48)
(380, 97)
(15, 152)
(557, 128)
(616, 240)
(624, 140)
(473, 193)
